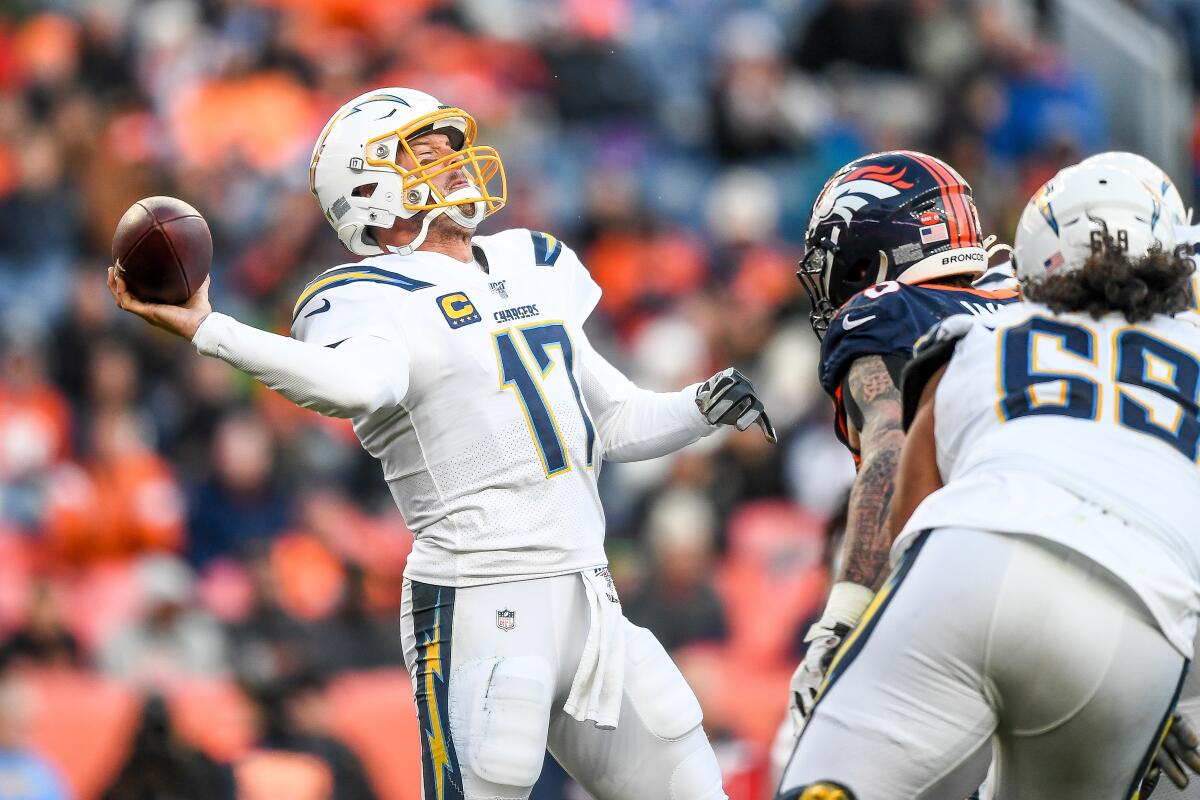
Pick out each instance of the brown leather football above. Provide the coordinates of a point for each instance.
(163, 250)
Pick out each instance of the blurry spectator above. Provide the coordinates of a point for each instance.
(161, 766)
(676, 600)
(354, 638)
(24, 774)
(35, 421)
(123, 501)
(269, 643)
(172, 640)
(192, 409)
(873, 34)
(240, 502)
(296, 719)
(594, 82)
(89, 321)
(44, 639)
(761, 108)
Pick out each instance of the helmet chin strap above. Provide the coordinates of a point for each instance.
(454, 212)
(418, 240)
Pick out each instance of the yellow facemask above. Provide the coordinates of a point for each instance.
(481, 164)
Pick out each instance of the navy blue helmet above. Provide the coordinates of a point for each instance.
(895, 216)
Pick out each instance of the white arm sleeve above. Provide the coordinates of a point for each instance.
(360, 375)
(636, 424)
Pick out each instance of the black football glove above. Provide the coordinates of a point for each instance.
(728, 398)
(1180, 748)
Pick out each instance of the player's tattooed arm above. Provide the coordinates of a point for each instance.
(871, 399)
(873, 405)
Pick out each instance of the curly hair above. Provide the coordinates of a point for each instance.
(1109, 281)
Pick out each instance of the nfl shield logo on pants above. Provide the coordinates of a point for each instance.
(506, 620)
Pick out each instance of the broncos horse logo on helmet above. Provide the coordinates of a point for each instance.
(895, 216)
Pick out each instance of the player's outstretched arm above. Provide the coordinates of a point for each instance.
(874, 408)
(636, 424)
(360, 375)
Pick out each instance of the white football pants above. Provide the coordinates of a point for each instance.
(978, 639)
(492, 666)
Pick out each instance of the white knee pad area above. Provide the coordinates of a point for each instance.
(501, 708)
(666, 704)
(697, 775)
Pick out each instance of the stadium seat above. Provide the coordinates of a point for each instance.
(214, 716)
(83, 724)
(16, 574)
(274, 774)
(101, 599)
(373, 713)
(226, 589)
(310, 577)
(772, 579)
(738, 695)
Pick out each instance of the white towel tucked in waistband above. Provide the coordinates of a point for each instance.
(600, 679)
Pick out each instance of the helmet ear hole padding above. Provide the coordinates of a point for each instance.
(366, 190)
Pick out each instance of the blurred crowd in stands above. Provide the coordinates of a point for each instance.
(199, 583)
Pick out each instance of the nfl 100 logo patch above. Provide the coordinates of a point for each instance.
(506, 620)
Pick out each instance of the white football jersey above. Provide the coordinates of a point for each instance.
(1082, 431)
(492, 457)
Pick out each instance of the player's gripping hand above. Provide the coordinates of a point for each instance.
(1180, 747)
(180, 320)
(728, 398)
(824, 639)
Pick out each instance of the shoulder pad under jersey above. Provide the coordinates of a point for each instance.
(882, 320)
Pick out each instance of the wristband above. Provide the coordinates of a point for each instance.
(846, 604)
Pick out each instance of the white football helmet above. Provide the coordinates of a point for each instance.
(1152, 174)
(365, 143)
(1065, 222)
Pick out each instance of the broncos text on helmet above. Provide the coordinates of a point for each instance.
(893, 216)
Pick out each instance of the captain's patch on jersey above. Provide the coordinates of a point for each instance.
(457, 309)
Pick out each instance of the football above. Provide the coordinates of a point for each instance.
(163, 250)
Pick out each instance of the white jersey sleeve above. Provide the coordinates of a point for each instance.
(584, 291)
(361, 376)
(634, 424)
(348, 357)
